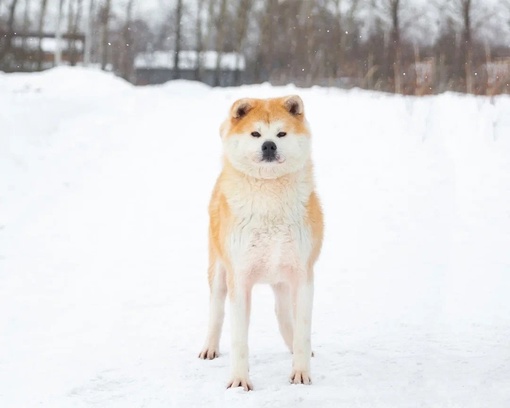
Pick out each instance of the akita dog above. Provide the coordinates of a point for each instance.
(266, 226)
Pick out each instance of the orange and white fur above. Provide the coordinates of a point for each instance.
(266, 226)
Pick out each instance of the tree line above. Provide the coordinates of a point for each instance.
(402, 46)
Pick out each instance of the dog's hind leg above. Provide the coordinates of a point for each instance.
(283, 311)
(218, 287)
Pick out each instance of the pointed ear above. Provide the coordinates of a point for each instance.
(241, 108)
(294, 105)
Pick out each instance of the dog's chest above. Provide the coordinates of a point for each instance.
(269, 239)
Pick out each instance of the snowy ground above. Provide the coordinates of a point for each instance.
(103, 292)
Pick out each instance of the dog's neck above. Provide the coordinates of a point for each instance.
(278, 197)
(302, 176)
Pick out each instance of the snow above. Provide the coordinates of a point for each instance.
(103, 249)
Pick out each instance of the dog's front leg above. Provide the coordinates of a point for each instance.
(240, 302)
(302, 302)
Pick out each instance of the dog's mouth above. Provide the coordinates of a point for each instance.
(277, 159)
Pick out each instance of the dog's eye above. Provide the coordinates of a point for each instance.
(255, 134)
(281, 134)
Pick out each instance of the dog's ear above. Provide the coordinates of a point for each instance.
(294, 105)
(241, 108)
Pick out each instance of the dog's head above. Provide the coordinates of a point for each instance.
(267, 138)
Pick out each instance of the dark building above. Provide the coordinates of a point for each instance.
(158, 67)
(33, 52)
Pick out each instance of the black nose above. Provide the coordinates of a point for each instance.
(268, 151)
(271, 146)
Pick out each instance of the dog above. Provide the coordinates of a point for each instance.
(266, 226)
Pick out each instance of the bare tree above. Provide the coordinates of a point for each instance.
(40, 30)
(12, 15)
(6, 49)
(127, 58)
(395, 38)
(75, 14)
(337, 33)
(104, 22)
(26, 16)
(25, 54)
(199, 40)
(392, 9)
(307, 22)
(221, 25)
(89, 29)
(177, 43)
(58, 34)
(241, 29)
(472, 16)
(267, 40)
(465, 9)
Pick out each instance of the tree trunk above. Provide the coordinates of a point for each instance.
(73, 57)
(307, 23)
(265, 50)
(7, 48)
(199, 41)
(58, 35)
(396, 44)
(26, 27)
(352, 37)
(70, 23)
(12, 16)
(242, 22)
(89, 29)
(369, 77)
(177, 44)
(104, 21)
(40, 29)
(127, 59)
(467, 45)
(26, 17)
(221, 23)
(339, 43)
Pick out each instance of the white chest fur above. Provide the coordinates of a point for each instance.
(270, 240)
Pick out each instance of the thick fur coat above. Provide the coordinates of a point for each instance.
(266, 226)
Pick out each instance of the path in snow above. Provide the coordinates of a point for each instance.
(103, 292)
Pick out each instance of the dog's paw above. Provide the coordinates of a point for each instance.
(313, 354)
(240, 382)
(300, 377)
(209, 354)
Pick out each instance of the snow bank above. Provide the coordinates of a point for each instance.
(64, 81)
(103, 293)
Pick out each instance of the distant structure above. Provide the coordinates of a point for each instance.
(498, 75)
(33, 52)
(424, 76)
(29, 52)
(226, 69)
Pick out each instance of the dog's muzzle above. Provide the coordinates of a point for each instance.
(268, 151)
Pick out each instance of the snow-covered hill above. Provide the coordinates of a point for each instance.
(103, 291)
